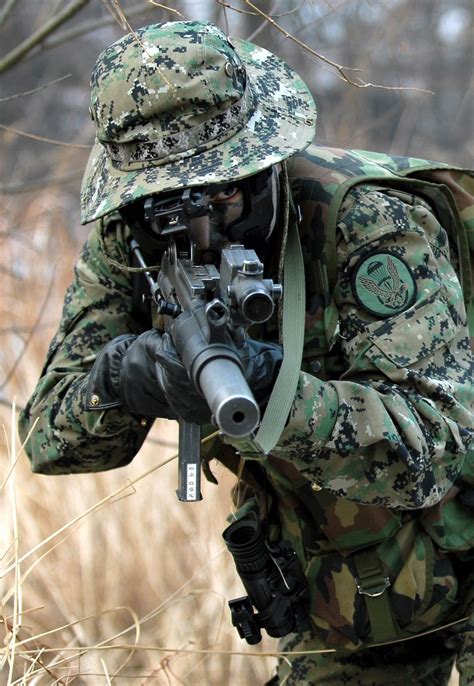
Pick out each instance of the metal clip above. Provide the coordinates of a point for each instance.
(376, 589)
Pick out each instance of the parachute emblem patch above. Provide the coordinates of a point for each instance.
(383, 284)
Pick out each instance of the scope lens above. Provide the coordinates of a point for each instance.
(257, 307)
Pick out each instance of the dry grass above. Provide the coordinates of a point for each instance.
(105, 578)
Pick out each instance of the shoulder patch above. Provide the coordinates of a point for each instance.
(383, 284)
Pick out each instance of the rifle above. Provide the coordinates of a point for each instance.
(206, 312)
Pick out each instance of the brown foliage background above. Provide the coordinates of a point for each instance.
(105, 580)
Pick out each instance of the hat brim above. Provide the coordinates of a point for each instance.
(282, 124)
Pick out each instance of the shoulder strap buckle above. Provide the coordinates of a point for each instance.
(373, 586)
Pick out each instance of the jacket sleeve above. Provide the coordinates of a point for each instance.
(64, 437)
(395, 427)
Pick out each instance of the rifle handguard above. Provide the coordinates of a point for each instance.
(217, 372)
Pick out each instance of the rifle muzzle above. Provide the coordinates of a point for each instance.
(235, 410)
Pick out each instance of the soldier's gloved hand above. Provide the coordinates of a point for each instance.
(181, 393)
(261, 363)
(129, 372)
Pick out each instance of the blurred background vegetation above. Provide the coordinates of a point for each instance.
(79, 567)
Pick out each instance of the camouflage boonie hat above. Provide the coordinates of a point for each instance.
(180, 104)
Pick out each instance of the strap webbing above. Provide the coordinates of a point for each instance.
(373, 585)
(284, 390)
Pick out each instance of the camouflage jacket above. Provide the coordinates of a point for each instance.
(393, 399)
(382, 421)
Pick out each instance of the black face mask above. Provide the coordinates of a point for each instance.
(249, 220)
(255, 226)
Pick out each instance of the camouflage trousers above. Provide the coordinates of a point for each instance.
(424, 661)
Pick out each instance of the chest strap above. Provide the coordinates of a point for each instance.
(373, 583)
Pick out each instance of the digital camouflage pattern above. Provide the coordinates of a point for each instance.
(398, 388)
(373, 474)
(425, 661)
(180, 103)
(97, 307)
(414, 349)
(382, 421)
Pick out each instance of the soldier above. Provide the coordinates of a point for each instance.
(371, 474)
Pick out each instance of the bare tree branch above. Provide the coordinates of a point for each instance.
(34, 184)
(115, 11)
(42, 139)
(271, 12)
(8, 403)
(85, 27)
(163, 7)
(15, 55)
(226, 5)
(120, 17)
(30, 335)
(6, 9)
(35, 90)
(263, 23)
(341, 70)
(24, 328)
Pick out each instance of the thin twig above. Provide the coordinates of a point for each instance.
(6, 9)
(17, 600)
(263, 23)
(212, 651)
(226, 18)
(35, 90)
(115, 11)
(195, 651)
(165, 605)
(271, 13)
(24, 328)
(94, 508)
(6, 402)
(85, 27)
(121, 19)
(42, 139)
(15, 55)
(30, 335)
(341, 70)
(162, 7)
(89, 511)
(126, 23)
(227, 6)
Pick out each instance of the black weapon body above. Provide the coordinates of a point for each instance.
(206, 312)
(274, 580)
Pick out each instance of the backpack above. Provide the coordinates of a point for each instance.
(448, 189)
(383, 574)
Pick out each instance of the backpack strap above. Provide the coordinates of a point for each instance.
(373, 583)
(285, 386)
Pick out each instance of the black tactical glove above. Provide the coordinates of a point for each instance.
(145, 374)
(261, 363)
(129, 372)
(181, 393)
